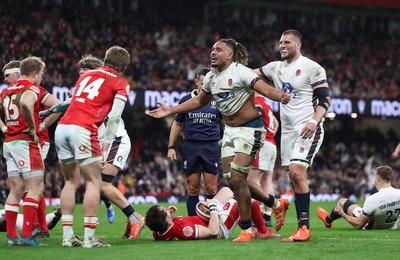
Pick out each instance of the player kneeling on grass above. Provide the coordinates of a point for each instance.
(216, 219)
(380, 210)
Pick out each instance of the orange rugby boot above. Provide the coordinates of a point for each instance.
(303, 234)
(244, 237)
(280, 214)
(322, 214)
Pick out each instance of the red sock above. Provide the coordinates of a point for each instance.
(11, 217)
(257, 218)
(29, 210)
(41, 214)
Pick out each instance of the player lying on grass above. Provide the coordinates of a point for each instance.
(380, 210)
(51, 220)
(216, 218)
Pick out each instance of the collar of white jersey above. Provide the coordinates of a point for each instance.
(293, 62)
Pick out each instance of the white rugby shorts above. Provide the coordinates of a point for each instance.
(295, 149)
(247, 140)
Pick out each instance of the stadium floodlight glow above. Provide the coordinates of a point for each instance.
(331, 115)
(354, 115)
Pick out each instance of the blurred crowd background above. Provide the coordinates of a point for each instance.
(168, 41)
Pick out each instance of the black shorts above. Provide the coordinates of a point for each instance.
(201, 156)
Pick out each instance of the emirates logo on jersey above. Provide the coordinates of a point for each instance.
(82, 148)
(298, 72)
(245, 146)
(230, 81)
(301, 149)
(187, 231)
(21, 163)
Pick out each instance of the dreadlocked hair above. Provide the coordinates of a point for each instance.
(240, 53)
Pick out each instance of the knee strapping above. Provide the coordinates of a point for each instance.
(107, 178)
(347, 204)
(227, 175)
(242, 169)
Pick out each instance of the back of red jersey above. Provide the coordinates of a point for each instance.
(17, 127)
(184, 228)
(93, 98)
(267, 117)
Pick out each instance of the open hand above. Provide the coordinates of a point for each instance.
(160, 112)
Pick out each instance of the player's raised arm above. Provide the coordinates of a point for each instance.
(61, 107)
(192, 104)
(270, 92)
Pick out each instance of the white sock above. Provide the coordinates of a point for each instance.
(67, 223)
(134, 218)
(90, 226)
(278, 204)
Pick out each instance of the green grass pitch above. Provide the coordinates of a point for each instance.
(340, 242)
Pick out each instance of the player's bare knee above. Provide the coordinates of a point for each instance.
(193, 190)
(210, 190)
(341, 202)
(297, 177)
(104, 186)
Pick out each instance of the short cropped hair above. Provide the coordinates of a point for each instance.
(201, 72)
(156, 219)
(31, 64)
(12, 65)
(385, 172)
(117, 58)
(294, 32)
(89, 62)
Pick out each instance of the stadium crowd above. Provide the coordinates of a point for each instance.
(166, 51)
(165, 54)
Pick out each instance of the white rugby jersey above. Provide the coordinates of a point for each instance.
(384, 207)
(231, 87)
(120, 131)
(300, 78)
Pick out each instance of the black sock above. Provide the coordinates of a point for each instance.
(128, 210)
(332, 217)
(270, 201)
(191, 202)
(106, 202)
(303, 205)
(245, 224)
